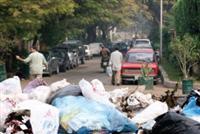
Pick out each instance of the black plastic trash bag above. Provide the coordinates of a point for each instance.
(70, 90)
(173, 123)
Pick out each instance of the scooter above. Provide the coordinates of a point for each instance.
(104, 64)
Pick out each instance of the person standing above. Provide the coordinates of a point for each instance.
(36, 61)
(116, 63)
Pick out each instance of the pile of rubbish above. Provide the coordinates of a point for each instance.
(86, 108)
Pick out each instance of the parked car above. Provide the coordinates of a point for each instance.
(62, 55)
(88, 53)
(73, 58)
(95, 48)
(142, 43)
(134, 61)
(53, 64)
(121, 45)
(77, 48)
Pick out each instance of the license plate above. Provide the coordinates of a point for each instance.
(137, 76)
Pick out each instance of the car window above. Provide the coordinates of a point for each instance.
(58, 54)
(142, 45)
(141, 42)
(139, 57)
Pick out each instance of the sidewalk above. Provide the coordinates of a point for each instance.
(171, 84)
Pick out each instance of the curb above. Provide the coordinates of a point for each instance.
(171, 84)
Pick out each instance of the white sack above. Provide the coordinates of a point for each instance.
(44, 118)
(11, 86)
(6, 108)
(109, 71)
(98, 87)
(89, 92)
(58, 85)
(151, 112)
(40, 93)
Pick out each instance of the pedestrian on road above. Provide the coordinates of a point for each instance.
(36, 62)
(116, 63)
(104, 53)
(105, 56)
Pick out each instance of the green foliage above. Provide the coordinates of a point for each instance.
(145, 71)
(187, 52)
(187, 16)
(173, 71)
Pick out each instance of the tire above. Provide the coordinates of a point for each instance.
(82, 61)
(63, 68)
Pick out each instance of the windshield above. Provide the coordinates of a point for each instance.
(59, 54)
(142, 43)
(139, 57)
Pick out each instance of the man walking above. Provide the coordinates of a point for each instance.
(116, 62)
(36, 61)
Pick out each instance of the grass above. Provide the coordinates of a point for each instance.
(173, 73)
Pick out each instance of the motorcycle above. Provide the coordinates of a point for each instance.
(104, 64)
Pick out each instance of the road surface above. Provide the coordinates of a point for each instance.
(91, 70)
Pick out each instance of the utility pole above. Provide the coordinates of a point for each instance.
(161, 26)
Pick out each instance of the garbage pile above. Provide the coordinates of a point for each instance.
(86, 108)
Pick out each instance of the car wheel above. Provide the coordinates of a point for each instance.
(82, 61)
(63, 68)
(57, 70)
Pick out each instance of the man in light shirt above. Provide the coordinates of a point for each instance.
(36, 61)
(116, 63)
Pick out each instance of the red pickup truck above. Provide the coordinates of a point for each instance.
(134, 61)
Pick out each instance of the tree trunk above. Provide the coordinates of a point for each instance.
(91, 34)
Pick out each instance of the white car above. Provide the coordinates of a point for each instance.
(142, 43)
(88, 53)
(95, 48)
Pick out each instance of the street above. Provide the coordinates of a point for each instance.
(91, 70)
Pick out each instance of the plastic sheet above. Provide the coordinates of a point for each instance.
(192, 110)
(81, 112)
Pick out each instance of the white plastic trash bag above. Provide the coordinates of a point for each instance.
(11, 86)
(109, 71)
(98, 87)
(151, 112)
(58, 85)
(40, 93)
(89, 92)
(6, 107)
(44, 118)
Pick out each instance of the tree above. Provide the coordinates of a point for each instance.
(187, 52)
(187, 17)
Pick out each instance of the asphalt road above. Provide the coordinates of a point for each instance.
(91, 70)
